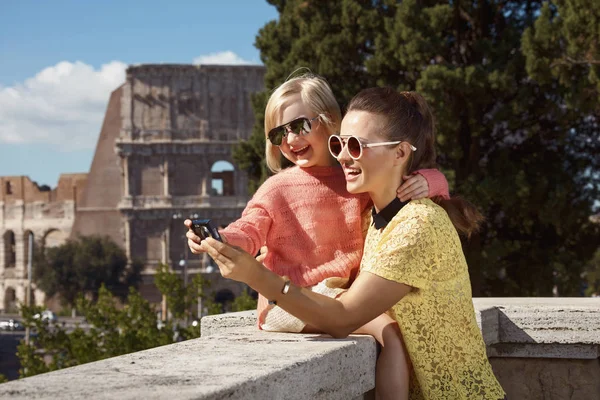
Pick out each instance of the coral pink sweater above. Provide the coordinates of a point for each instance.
(312, 226)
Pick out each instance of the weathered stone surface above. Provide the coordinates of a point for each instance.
(235, 360)
(548, 379)
(245, 364)
(540, 327)
(215, 324)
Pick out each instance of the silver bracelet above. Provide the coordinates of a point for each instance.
(284, 290)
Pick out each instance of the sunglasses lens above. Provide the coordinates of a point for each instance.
(276, 135)
(335, 146)
(299, 125)
(354, 147)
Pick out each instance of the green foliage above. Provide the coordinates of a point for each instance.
(82, 266)
(562, 47)
(508, 143)
(113, 328)
(243, 302)
(3, 378)
(592, 276)
(179, 298)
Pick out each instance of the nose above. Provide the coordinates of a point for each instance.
(291, 137)
(344, 156)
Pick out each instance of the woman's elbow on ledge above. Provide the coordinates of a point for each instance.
(340, 331)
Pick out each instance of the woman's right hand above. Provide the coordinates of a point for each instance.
(194, 241)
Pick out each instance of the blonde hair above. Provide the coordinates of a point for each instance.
(316, 94)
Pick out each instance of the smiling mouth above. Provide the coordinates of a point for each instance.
(300, 151)
(351, 173)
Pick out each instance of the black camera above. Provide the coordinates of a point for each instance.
(204, 228)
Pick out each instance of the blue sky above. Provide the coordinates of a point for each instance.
(59, 61)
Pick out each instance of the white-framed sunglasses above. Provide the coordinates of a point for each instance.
(355, 146)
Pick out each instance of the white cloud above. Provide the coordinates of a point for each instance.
(62, 105)
(222, 58)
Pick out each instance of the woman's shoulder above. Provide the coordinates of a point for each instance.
(424, 209)
(418, 219)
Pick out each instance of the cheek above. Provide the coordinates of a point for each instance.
(320, 138)
(372, 168)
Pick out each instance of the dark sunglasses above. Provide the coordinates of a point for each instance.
(297, 126)
(354, 146)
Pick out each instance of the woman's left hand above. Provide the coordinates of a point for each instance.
(234, 263)
(414, 187)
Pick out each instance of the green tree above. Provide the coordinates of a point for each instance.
(82, 265)
(592, 275)
(506, 142)
(562, 48)
(180, 298)
(243, 302)
(113, 330)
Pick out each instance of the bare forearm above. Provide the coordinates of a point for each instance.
(368, 297)
(322, 312)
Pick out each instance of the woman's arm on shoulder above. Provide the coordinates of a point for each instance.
(424, 183)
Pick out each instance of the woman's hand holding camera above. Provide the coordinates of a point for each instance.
(233, 262)
(194, 240)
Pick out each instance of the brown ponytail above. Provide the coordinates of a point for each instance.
(464, 216)
(410, 119)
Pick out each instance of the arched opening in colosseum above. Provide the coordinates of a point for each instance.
(222, 179)
(54, 238)
(10, 249)
(10, 301)
(26, 238)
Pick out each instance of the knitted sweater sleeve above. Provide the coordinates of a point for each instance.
(250, 231)
(438, 185)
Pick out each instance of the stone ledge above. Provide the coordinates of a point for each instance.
(540, 327)
(234, 360)
(511, 327)
(235, 364)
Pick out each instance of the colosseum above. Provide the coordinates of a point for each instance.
(164, 154)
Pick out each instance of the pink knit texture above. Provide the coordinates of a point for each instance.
(438, 185)
(310, 223)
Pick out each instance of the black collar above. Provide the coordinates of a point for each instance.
(383, 217)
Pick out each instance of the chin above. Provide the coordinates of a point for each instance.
(353, 188)
(304, 163)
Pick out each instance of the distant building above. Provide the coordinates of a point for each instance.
(25, 208)
(164, 154)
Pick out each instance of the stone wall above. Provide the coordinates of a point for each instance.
(165, 130)
(539, 349)
(25, 208)
(178, 123)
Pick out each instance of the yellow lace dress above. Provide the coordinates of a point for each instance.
(421, 248)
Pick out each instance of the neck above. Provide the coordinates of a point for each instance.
(387, 192)
(329, 162)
